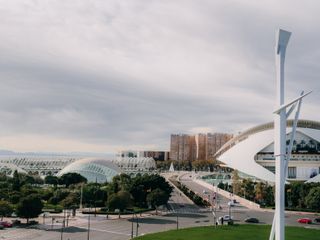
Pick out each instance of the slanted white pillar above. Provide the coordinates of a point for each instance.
(282, 39)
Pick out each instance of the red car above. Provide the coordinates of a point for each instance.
(6, 224)
(305, 220)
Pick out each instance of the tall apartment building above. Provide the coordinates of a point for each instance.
(215, 142)
(201, 146)
(184, 147)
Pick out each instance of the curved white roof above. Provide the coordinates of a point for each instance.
(239, 152)
(9, 168)
(94, 169)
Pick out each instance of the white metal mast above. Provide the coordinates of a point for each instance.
(282, 155)
(280, 123)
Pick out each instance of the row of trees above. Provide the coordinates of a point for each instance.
(299, 195)
(27, 196)
(197, 165)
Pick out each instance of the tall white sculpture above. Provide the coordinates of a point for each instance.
(282, 154)
(280, 133)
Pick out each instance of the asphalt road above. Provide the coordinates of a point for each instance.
(240, 212)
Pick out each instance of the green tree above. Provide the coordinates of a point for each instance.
(120, 200)
(248, 189)
(29, 207)
(5, 209)
(157, 198)
(313, 199)
(260, 192)
(72, 178)
(236, 183)
(16, 183)
(71, 201)
(53, 180)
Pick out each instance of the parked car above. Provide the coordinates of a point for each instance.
(317, 220)
(304, 220)
(6, 224)
(252, 220)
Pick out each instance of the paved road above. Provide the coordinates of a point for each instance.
(239, 212)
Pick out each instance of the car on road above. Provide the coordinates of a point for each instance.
(6, 224)
(317, 220)
(251, 220)
(226, 218)
(231, 203)
(304, 220)
(1, 227)
(205, 191)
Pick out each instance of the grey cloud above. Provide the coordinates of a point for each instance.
(132, 72)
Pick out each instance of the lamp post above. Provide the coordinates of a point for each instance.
(61, 233)
(132, 219)
(137, 225)
(88, 232)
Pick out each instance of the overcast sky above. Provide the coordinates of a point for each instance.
(99, 76)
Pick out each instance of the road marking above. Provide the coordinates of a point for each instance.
(107, 231)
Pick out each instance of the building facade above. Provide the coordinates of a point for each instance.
(202, 146)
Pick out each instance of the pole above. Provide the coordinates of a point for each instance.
(81, 196)
(88, 235)
(177, 220)
(61, 235)
(137, 225)
(280, 134)
(95, 199)
(132, 225)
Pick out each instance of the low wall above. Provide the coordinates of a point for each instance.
(242, 201)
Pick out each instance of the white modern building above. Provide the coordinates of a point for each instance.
(93, 169)
(252, 152)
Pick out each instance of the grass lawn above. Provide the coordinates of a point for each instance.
(235, 232)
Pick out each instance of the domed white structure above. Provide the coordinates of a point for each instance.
(93, 169)
(252, 151)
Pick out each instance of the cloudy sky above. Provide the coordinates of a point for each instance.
(99, 76)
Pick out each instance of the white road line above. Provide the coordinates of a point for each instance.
(107, 231)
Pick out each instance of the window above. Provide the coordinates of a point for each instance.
(292, 172)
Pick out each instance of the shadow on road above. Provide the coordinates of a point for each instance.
(153, 221)
(187, 215)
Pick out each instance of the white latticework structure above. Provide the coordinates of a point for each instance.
(135, 164)
(93, 169)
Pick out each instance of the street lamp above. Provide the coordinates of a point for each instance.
(61, 233)
(88, 232)
(137, 219)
